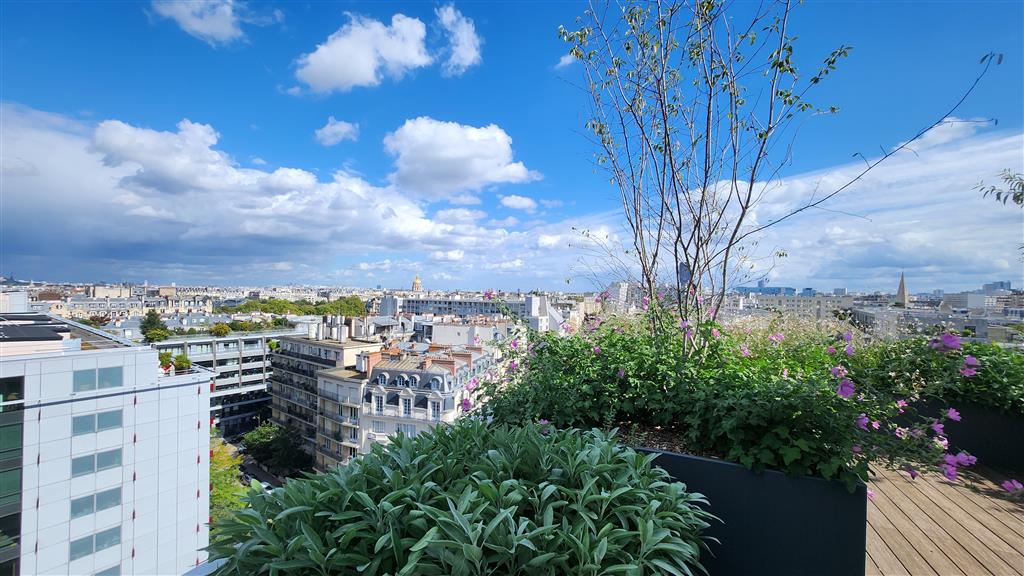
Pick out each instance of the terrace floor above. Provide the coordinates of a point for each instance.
(929, 526)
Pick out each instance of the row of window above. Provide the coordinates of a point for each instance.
(93, 379)
(94, 543)
(93, 463)
(379, 427)
(378, 407)
(95, 502)
(90, 423)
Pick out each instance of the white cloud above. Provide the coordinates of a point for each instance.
(508, 222)
(381, 265)
(335, 131)
(437, 159)
(551, 203)
(565, 60)
(363, 52)
(258, 161)
(448, 255)
(950, 130)
(505, 265)
(214, 21)
(465, 44)
(549, 240)
(519, 203)
(459, 215)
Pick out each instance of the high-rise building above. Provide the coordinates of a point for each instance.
(104, 458)
(839, 292)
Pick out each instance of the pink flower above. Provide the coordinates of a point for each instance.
(466, 404)
(488, 294)
(848, 350)
(777, 337)
(968, 372)
(901, 433)
(862, 422)
(848, 336)
(942, 442)
(716, 333)
(876, 424)
(953, 415)
(901, 404)
(472, 384)
(683, 324)
(622, 372)
(513, 366)
(831, 349)
(970, 360)
(744, 351)
(644, 302)
(845, 388)
(949, 471)
(514, 344)
(597, 350)
(785, 372)
(871, 494)
(939, 428)
(839, 371)
(1012, 486)
(855, 449)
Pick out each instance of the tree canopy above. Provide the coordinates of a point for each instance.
(348, 306)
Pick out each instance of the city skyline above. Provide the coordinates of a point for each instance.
(293, 168)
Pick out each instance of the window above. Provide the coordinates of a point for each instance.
(83, 506)
(80, 548)
(435, 410)
(94, 543)
(90, 423)
(112, 571)
(378, 426)
(406, 406)
(382, 379)
(84, 380)
(95, 462)
(108, 499)
(111, 377)
(407, 429)
(108, 459)
(353, 413)
(108, 538)
(10, 441)
(353, 434)
(403, 381)
(10, 486)
(378, 404)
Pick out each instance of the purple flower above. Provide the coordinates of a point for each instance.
(845, 388)
(785, 372)
(950, 459)
(949, 471)
(839, 371)
(913, 473)
(466, 404)
(777, 337)
(744, 351)
(862, 422)
(1012, 486)
(848, 350)
(489, 294)
(513, 366)
(472, 384)
(965, 459)
(939, 428)
(876, 424)
(831, 349)
(968, 372)
(622, 372)
(901, 404)
(683, 324)
(597, 350)
(690, 333)
(848, 336)
(953, 415)
(514, 344)
(970, 360)
(716, 333)
(855, 449)
(901, 433)
(942, 442)
(871, 494)
(946, 342)
(644, 302)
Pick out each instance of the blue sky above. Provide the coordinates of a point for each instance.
(178, 142)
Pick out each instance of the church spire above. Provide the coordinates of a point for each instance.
(902, 298)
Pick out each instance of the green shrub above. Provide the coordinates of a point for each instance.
(474, 498)
(182, 362)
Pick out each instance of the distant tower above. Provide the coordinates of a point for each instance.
(902, 298)
(417, 286)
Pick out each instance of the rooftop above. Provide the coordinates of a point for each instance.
(51, 333)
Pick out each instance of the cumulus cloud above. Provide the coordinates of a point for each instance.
(565, 60)
(437, 159)
(363, 52)
(464, 43)
(519, 203)
(213, 21)
(448, 255)
(459, 215)
(335, 131)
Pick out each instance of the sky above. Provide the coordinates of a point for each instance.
(360, 144)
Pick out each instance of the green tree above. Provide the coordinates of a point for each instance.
(220, 329)
(1013, 191)
(182, 362)
(153, 327)
(157, 334)
(277, 448)
(273, 344)
(166, 359)
(226, 491)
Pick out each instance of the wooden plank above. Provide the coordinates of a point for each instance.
(963, 537)
(976, 527)
(932, 553)
(870, 569)
(995, 489)
(883, 559)
(934, 531)
(1000, 522)
(911, 559)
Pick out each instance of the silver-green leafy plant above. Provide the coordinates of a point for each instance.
(474, 498)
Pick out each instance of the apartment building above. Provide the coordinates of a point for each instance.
(241, 361)
(819, 306)
(85, 306)
(533, 309)
(104, 459)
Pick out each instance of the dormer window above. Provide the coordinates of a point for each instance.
(435, 384)
(382, 379)
(403, 381)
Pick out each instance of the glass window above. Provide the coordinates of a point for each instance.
(10, 483)
(112, 571)
(12, 389)
(108, 459)
(406, 406)
(378, 404)
(80, 548)
(108, 420)
(111, 377)
(108, 498)
(82, 506)
(108, 538)
(83, 465)
(435, 410)
(378, 426)
(83, 424)
(10, 440)
(84, 380)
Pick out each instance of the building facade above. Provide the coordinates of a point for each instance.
(104, 459)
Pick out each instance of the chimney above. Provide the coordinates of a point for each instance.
(446, 363)
(465, 357)
(365, 361)
(425, 364)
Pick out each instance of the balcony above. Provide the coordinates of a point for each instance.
(307, 357)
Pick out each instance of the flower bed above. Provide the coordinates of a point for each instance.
(474, 499)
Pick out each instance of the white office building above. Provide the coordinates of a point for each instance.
(104, 459)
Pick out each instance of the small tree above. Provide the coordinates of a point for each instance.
(166, 359)
(157, 334)
(273, 344)
(226, 491)
(182, 362)
(220, 329)
(152, 321)
(277, 448)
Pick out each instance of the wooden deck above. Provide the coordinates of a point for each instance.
(929, 526)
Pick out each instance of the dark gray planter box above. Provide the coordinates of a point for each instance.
(993, 436)
(773, 523)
